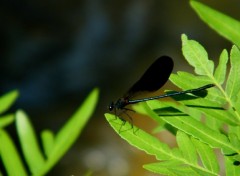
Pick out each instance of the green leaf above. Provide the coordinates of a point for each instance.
(208, 157)
(189, 81)
(186, 147)
(220, 72)
(237, 104)
(174, 168)
(28, 141)
(234, 130)
(47, 137)
(158, 168)
(194, 127)
(200, 172)
(197, 56)
(6, 120)
(7, 100)
(222, 24)
(183, 80)
(214, 123)
(69, 132)
(231, 170)
(139, 138)
(234, 139)
(151, 145)
(219, 95)
(233, 83)
(213, 109)
(10, 157)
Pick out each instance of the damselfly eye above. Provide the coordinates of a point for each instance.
(111, 106)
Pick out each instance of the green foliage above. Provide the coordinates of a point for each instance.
(200, 124)
(54, 145)
(5, 103)
(221, 23)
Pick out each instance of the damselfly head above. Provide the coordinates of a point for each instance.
(111, 106)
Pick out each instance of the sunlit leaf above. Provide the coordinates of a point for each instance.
(6, 120)
(28, 141)
(7, 100)
(233, 83)
(220, 72)
(197, 56)
(10, 156)
(187, 148)
(231, 170)
(56, 147)
(207, 155)
(47, 137)
(221, 23)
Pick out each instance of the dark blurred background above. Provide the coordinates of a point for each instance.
(56, 52)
